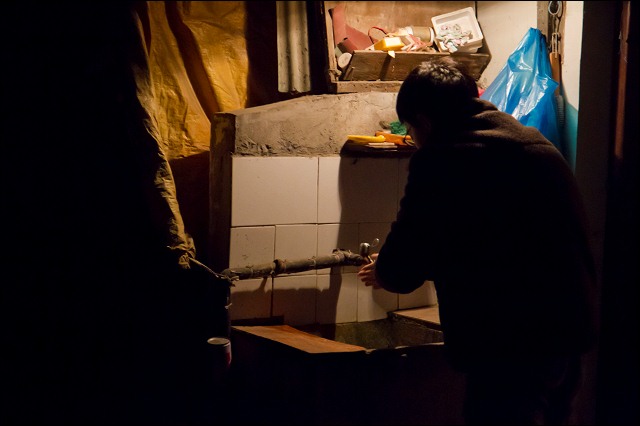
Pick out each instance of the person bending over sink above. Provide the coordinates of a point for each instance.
(492, 214)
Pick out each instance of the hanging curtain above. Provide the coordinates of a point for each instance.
(197, 66)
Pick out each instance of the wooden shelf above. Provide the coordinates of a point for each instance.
(352, 149)
(371, 70)
(373, 65)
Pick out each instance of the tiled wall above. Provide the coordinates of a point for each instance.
(301, 207)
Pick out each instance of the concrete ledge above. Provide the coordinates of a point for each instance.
(315, 125)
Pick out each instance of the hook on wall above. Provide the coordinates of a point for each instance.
(555, 10)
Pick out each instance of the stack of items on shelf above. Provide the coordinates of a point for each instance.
(457, 31)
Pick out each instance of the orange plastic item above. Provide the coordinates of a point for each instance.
(392, 137)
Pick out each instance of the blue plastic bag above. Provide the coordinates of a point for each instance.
(525, 89)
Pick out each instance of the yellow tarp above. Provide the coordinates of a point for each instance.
(198, 65)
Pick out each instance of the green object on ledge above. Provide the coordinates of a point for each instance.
(397, 128)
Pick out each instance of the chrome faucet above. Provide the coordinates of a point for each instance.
(365, 249)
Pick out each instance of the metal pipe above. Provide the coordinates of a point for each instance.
(225, 279)
(283, 266)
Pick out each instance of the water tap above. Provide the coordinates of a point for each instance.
(365, 249)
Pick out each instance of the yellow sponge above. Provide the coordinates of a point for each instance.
(389, 43)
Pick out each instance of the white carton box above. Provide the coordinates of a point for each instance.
(458, 31)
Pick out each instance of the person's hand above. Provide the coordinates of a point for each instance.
(367, 273)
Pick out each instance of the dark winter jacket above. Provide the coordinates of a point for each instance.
(492, 214)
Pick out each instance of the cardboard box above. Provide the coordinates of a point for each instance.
(460, 21)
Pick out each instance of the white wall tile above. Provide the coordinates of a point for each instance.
(342, 236)
(294, 297)
(274, 190)
(251, 299)
(329, 190)
(297, 242)
(251, 246)
(373, 304)
(337, 298)
(425, 295)
(357, 190)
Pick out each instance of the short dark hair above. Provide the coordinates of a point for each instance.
(439, 88)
